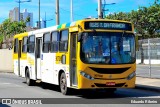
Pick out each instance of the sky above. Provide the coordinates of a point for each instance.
(81, 8)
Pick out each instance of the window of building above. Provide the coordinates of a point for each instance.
(31, 44)
(24, 47)
(16, 46)
(63, 46)
(46, 42)
(54, 42)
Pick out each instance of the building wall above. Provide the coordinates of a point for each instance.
(25, 15)
(14, 16)
(6, 60)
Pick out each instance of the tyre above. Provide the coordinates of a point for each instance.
(29, 81)
(63, 84)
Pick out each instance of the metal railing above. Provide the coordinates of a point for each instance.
(148, 55)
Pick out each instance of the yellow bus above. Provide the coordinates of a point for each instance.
(85, 54)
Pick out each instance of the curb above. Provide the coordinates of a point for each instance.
(6, 72)
(149, 88)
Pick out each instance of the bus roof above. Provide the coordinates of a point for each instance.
(21, 35)
(63, 26)
(75, 23)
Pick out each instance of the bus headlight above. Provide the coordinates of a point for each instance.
(131, 75)
(86, 75)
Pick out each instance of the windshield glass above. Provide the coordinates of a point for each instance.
(108, 48)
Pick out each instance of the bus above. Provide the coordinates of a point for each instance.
(85, 54)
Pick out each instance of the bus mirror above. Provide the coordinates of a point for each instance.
(80, 36)
(63, 59)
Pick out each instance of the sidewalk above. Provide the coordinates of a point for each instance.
(5, 71)
(148, 84)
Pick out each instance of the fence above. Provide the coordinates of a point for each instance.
(149, 49)
(6, 60)
(148, 53)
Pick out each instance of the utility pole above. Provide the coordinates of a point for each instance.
(39, 22)
(19, 13)
(99, 9)
(71, 10)
(57, 12)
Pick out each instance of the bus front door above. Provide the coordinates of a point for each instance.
(73, 59)
(38, 57)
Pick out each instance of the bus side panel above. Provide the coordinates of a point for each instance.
(23, 62)
(62, 67)
(48, 63)
(15, 64)
(31, 65)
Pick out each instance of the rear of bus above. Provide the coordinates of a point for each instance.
(20, 53)
(106, 57)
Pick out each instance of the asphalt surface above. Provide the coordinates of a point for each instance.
(12, 86)
(15, 87)
(143, 71)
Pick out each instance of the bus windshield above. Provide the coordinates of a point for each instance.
(108, 48)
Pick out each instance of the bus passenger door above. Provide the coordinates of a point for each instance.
(19, 57)
(73, 60)
(38, 57)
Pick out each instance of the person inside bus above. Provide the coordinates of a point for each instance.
(106, 50)
(119, 55)
(115, 54)
(86, 46)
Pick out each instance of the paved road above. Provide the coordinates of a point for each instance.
(143, 70)
(12, 86)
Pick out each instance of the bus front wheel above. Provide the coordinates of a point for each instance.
(63, 84)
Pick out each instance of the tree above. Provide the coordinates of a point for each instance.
(9, 29)
(145, 19)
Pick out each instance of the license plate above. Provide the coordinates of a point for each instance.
(110, 83)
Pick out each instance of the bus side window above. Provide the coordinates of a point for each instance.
(55, 41)
(31, 44)
(16, 46)
(46, 42)
(24, 47)
(63, 46)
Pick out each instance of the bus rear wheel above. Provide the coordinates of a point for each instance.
(63, 84)
(29, 81)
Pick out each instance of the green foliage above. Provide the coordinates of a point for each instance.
(1, 39)
(9, 29)
(145, 19)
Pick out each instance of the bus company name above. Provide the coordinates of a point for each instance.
(107, 25)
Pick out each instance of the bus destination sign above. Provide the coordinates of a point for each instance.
(108, 25)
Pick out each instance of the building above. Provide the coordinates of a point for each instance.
(42, 23)
(25, 15)
(14, 16)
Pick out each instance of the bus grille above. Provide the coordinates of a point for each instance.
(109, 70)
(104, 85)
